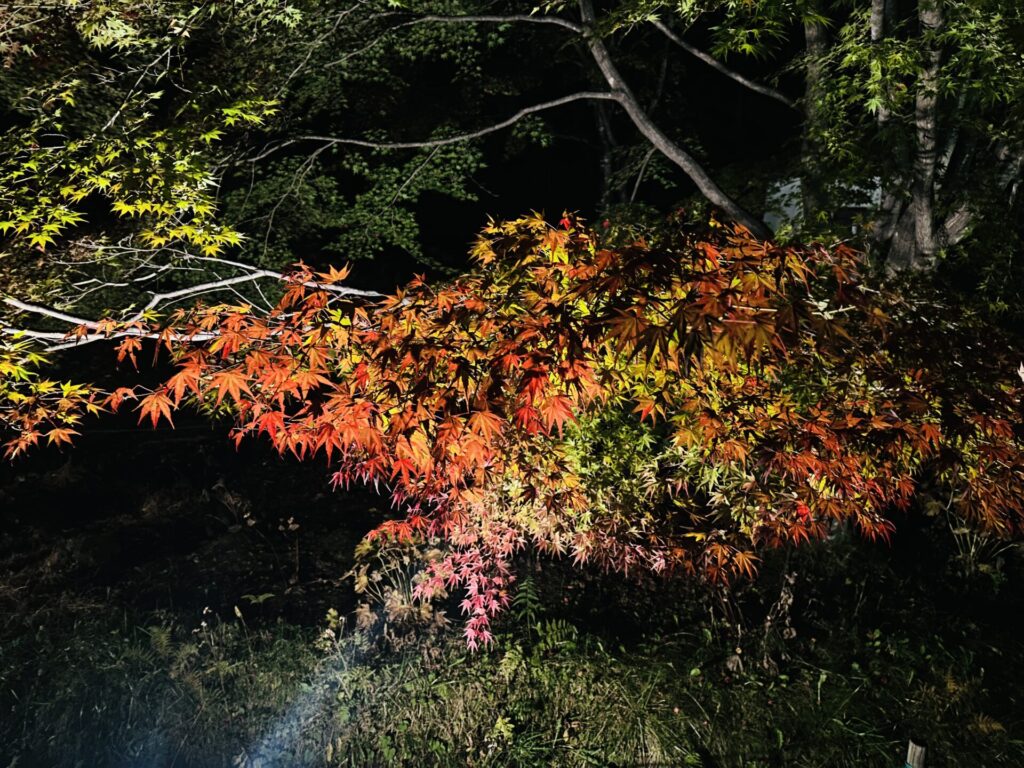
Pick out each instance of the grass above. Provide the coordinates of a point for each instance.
(834, 658)
(84, 689)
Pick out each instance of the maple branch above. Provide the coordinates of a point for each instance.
(9, 330)
(132, 90)
(37, 309)
(311, 48)
(458, 139)
(683, 159)
(68, 341)
(718, 66)
(409, 180)
(620, 93)
(154, 302)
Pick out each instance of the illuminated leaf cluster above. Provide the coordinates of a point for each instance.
(161, 177)
(36, 408)
(668, 410)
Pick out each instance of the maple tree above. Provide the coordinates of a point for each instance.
(666, 407)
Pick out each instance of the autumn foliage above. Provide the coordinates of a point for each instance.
(668, 408)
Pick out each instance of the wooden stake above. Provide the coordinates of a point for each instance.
(915, 755)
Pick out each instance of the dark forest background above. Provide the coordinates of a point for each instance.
(169, 599)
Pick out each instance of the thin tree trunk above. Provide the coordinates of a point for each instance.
(880, 13)
(811, 186)
(608, 145)
(926, 124)
(886, 229)
(685, 161)
(877, 20)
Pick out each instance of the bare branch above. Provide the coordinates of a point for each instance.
(157, 300)
(409, 180)
(460, 138)
(9, 330)
(55, 314)
(640, 173)
(67, 341)
(718, 66)
(132, 90)
(311, 48)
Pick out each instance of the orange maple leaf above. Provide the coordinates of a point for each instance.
(487, 424)
(230, 382)
(555, 411)
(155, 406)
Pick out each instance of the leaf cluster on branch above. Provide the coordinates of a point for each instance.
(669, 407)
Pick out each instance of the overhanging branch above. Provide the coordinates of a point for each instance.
(718, 66)
(449, 140)
(619, 92)
(512, 18)
(67, 340)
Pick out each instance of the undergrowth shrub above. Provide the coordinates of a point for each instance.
(874, 655)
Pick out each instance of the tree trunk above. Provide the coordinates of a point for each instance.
(926, 127)
(880, 12)
(877, 20)
(811, 185)
(913, 236)
(890, 215)
(901, 239)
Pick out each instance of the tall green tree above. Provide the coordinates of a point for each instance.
(155, 148)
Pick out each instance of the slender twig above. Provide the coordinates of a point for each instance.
(458, 139)
(640, 173)
(501, 19)
(718, 66)
(311, 48)
(131, 91)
